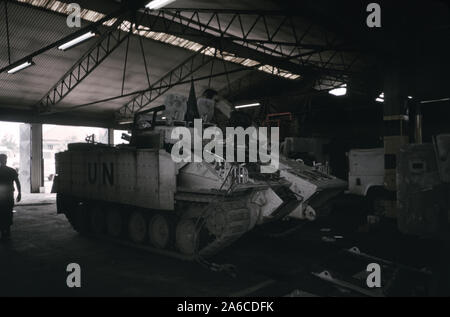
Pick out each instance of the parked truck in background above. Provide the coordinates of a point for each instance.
(366, 170)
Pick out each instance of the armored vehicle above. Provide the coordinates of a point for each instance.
(138, 193)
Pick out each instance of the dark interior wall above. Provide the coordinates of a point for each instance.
(348, 124)
(358, 120)
(436, 119)
(354, 121)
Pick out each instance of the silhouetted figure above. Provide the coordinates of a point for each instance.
(8, 177)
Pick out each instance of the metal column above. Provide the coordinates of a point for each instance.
(37, 162)
(110, 136)
(395, 132)
(25, 158)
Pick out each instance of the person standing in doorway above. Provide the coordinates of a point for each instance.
(8, 176)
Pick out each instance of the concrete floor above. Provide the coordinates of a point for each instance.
(34, 263)
(37, 199)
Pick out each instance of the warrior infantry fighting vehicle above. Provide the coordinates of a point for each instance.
(137, 192)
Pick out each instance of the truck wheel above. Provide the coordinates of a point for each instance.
(137, 227)
(114, 222)
(375, 198)
(186, 237)
(98, 220)
(159, 230)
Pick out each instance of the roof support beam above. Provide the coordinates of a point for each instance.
(154, 88)
(161, 21)
(106, 44)
(134, 93)
(178, 74)
(74, 118)
(274, 33)
(175, 22)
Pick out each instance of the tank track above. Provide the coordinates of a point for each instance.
(234, 216)
(237, 222)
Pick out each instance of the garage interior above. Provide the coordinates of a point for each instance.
(362, 110)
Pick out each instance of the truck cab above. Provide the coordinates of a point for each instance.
(366, 170)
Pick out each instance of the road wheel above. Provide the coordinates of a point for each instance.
(186, 237)
(114, 220)
(159, 230)
(137, 227)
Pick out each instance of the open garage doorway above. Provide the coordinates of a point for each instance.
(15, 143)
(10, 143)
(118, 137)
(56, 138)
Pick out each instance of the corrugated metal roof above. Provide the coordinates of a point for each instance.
(93, 16)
